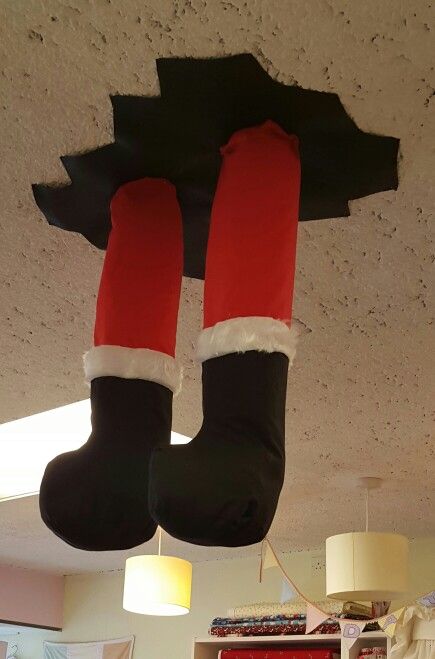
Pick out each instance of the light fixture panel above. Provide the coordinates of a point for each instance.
(28, 444)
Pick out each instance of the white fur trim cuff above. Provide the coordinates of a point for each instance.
(250, 333)
(133, 364)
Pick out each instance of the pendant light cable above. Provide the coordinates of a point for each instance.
(160, 540)
(367, 510)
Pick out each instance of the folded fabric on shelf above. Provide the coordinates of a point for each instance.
(274, 618)
(352, 616)
(270, 628)
(296, 605)
(258, 619)
(278, 653)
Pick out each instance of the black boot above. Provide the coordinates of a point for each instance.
(222, 488)
(96, 497)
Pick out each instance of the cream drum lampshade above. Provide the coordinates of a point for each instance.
(157, 585)
(367, 566)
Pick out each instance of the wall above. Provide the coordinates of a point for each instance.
(30, 597)
(93, 604)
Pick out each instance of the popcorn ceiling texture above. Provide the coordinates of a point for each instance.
(361, 392)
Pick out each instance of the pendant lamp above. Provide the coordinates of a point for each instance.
(157, 585)
(367, 566)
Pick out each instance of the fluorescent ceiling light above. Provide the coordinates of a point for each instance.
(28, 444)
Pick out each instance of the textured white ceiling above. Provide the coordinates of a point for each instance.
(360, 396)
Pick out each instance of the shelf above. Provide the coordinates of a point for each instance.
(208, 647)
(270, 640)
(306, 639)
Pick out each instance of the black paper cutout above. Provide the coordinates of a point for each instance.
(178, 135)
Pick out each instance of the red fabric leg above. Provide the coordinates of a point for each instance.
(139, 293)
(252, 243)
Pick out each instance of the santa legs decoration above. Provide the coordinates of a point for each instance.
(223, 487)
(96, 498)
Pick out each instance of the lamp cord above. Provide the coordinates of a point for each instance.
(160, 540)
(367, 510)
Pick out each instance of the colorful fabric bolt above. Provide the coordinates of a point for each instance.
(281, 653)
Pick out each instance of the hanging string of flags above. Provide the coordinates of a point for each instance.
(350, 629)
(427, 600)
